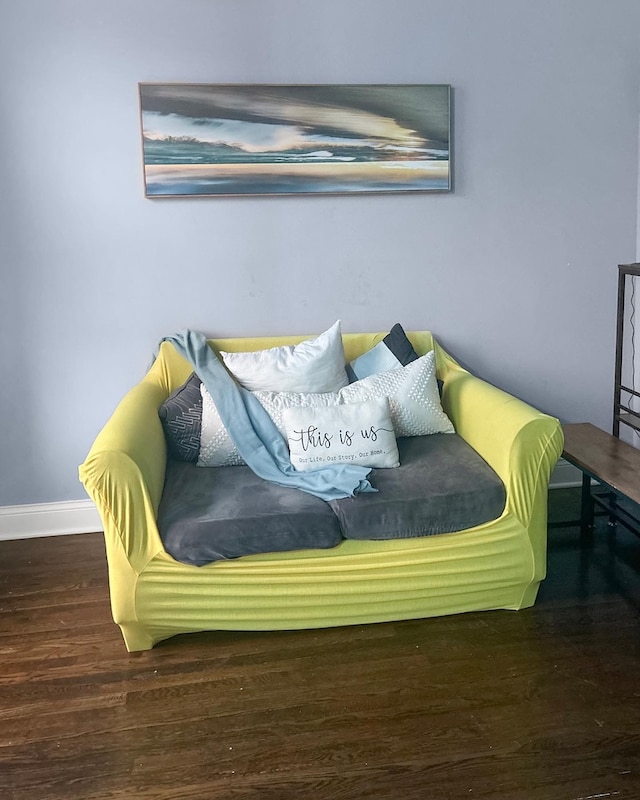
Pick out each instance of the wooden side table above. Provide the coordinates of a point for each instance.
(612, 463)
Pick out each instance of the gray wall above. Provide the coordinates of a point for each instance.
(514, 271)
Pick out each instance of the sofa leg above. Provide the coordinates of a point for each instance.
(530, 594)
(136, 637)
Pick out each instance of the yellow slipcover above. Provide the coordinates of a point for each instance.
(497, 565)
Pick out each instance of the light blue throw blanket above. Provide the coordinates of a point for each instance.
(254, 433)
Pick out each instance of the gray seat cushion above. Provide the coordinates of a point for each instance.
(212, 513)
(441, 485)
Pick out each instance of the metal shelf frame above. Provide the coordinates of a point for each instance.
(623, 414)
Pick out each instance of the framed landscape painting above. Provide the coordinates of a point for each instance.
(260, 139)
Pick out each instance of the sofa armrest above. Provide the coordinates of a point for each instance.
(520, 443)
(124, 475)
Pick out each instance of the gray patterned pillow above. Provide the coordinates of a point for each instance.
(181, 417)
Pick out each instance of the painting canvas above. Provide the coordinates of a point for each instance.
(258, 139)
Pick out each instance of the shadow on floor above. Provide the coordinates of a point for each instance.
(607, 563)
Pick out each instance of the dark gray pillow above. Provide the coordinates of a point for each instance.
(396, 340)
(181, 417)
(395, 350)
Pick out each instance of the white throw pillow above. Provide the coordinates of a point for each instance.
(315, 365)
(216, 446)
(357, 433)
(414, 399)
(412, 392)
(277, 403)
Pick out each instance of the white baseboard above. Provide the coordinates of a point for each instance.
(565, 475)
(48, 519)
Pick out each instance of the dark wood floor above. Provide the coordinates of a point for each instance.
(542, 703)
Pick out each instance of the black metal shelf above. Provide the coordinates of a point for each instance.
(623, 414)
(629, 418)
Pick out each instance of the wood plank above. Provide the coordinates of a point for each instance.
(604, 457)
(527, 705)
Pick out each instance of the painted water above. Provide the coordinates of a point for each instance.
(299, 177)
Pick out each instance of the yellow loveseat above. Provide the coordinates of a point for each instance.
(496, 565)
